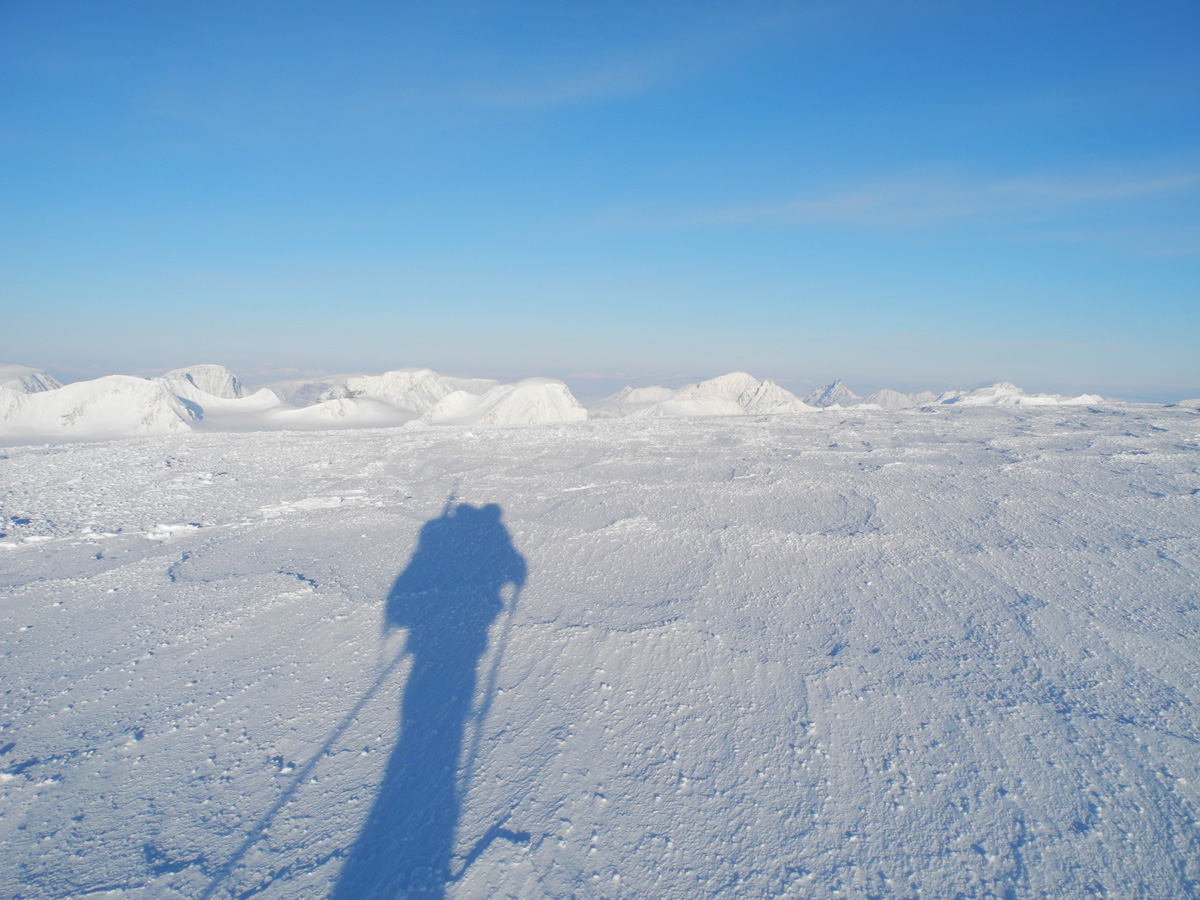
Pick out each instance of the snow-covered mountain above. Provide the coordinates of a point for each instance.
(835, 394)
(414, 389)
(734, 394)
(34, 406)
(751, 395)
(306, 392)
(219, 397)
(530, 401)
(212, 398)
(838, 396)
(889, 399)
(213, 380)
(1005, 394)
(112, 406)
(629, 400)
(25, 380)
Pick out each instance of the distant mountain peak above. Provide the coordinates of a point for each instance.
(832, 394)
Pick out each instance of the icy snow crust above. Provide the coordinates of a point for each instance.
(938, 654)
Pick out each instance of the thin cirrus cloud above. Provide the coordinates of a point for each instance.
(654, 63)
(608, 80)
(909, 201)
(514, 79)
(1046, 345)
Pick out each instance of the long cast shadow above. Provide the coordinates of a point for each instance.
(447, 597)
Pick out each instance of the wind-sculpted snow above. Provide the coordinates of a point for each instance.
(846, 654)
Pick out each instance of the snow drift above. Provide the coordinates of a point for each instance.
(344, 412)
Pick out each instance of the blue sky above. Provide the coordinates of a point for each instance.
(911, 195)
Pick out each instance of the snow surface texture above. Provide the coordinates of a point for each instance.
(948, 653)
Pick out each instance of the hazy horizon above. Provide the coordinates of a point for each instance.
(931, 196)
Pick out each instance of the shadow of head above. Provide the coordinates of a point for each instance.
(452, 587)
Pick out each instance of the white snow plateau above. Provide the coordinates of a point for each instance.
(414, 636)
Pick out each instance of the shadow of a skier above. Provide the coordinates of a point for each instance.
(447, 598)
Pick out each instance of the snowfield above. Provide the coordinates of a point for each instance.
(863, 653)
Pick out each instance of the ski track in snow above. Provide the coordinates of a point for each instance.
(930, 654)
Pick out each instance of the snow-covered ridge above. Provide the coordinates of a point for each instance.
(740, 394)
(836, 394)
(727, 395)
(112, 406)
(25, 380)
(415, 390)
(216, 381)
(529, 401)
(1005, 394)
(34, 406)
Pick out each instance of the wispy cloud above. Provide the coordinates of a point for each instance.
(1046, 345)
(604, 80)
(682, 48)
(919, 200)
